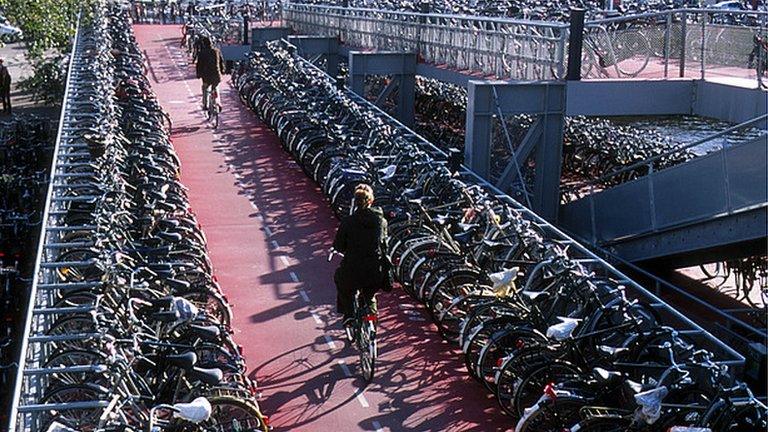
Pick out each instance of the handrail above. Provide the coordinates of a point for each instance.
(345, 10)
(673, 11)
(577, 245)
(13, 413)
(696, 143)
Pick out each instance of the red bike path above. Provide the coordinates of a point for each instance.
(269, 228)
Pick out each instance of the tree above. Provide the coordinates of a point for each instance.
(48, 27)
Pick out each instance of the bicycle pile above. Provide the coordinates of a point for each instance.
(550, 10)
(570, 346)
(592, 147)
(137, 317)
(25, 154)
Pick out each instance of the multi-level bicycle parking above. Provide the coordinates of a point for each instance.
(130, 329)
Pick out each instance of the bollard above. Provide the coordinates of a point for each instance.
(575, 43)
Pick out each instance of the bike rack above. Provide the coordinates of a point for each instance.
(592, 262)
(31, 376)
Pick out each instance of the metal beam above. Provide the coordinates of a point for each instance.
(521, 155)
(325, 46)
(400, 66)
(490, 99)
(735, 229)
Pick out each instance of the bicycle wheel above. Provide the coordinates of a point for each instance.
(368, 350)
(231, 414)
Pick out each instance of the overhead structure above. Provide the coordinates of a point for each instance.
(490, 103)
(400, 67)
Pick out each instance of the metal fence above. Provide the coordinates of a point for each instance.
(694, 43)
(500, 48)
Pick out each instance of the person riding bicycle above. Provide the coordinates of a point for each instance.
(362, 239)
(210, 66)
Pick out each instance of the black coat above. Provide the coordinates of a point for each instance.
(362, 239)
(210, 65)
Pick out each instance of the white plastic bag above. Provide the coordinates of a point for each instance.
(650, 404)
(199, 410)
(564, 329)
(185, 310)
(504, 281)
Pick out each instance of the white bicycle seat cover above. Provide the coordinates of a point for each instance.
(199, 410)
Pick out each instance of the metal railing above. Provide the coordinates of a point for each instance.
(726, 355)
(695, 43)
(496, 47)
(26, 393)
(666, 198)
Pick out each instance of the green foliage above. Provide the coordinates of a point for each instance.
(47, 24)
(47, 83)
(48, 27)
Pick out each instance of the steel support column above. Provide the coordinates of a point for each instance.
(546, 100)
(325, 46)
(399, 65)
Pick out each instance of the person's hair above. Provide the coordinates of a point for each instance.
(205, 42)
(363, 196)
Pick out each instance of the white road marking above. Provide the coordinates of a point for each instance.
(345, 368)
(293, 276)
(284, 260)
(178, 102)
(361, 398)
(377, 426)
(329, 342)
(316, 317)
(304, 295)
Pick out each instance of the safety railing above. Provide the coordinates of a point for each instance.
(694, 43)
(674, 196)
(501, 48)
(725, 354)
(26, 393)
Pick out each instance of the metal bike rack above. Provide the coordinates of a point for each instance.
(31, 375)
(591, 261)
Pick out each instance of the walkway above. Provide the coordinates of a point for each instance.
(268, 227)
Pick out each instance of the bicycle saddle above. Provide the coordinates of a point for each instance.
(206, 376)
(199, 410)
(605, 376)
(185, 361)
(210, 332)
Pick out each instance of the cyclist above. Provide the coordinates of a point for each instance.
(362, 239)
(210, 66)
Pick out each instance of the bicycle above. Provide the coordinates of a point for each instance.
(362, 332)
(214, 107)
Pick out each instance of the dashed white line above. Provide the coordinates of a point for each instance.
(329, 342)
(317, 318)
(284, 260)
(304, 295)
(361, 398)
(377, 426)
(293, 276)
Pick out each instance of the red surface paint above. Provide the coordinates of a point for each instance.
(243, 187)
